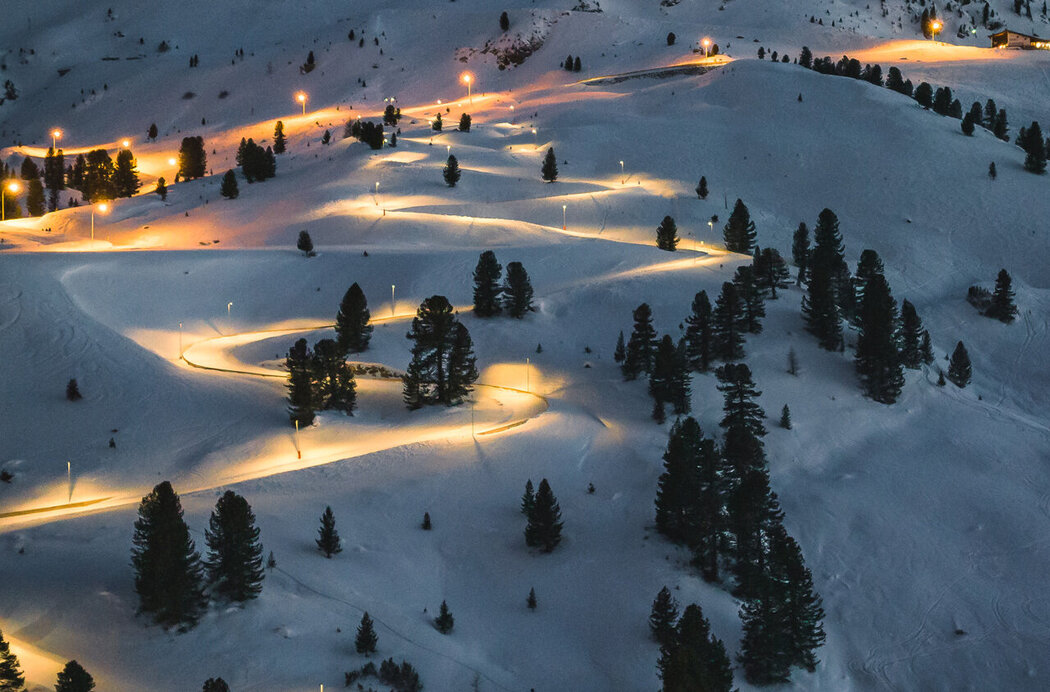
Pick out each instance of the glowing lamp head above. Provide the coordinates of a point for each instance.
(172, 162)
(466, 77)
(300, 97)
(936, 25)
(707, 42)
(56, 133)
(13, 187)
(103, 208)
(125, 143)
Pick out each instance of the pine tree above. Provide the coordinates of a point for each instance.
(662, 373)
(662, 618)
(699, 334)
(878, 361)
(620, 352)
(567, 65)
(544, 527)
(641, 347)
(726, 325)
(305, 244)
(738, 393)
(444, 622)
(549, 172)
(234, 563)
(328, 538)
(98, 176)
(487, 285)
(924, 95)
(681, 381)
(1002, 307)
(215, 685)
(528, 500)
(35, 202)
(333, 379)
(753, 512)
(800, 251)
(301, 400)
(280, 143)
(959, 369)
(911, 334)
(366, 639)
(785, 417)
(517, 291)
(991, 170)
(766, 648)
(751, 299)
(162, 189)
(667, 235)
(1035, 150)
(802, 612)
(228, 189)
(352, 328)
(436, 123)
(820, 306)
(464, 123)
(151, 133)
(504, 22)
(451, 172)
(696, 660)
(701, 188)
(967, 125)
(168, 571)
(926, 348)
(868, 266)
(73, 390)
(193, 162)
(770, 270)
(677, 487)
(73, 678)
(530, 601)
(125, 175)
(739, 232)
(442, 370)
(1001, 129)
(11, 678)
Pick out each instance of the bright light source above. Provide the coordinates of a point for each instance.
(103, 208)
(56, 133)
(300, 97)
(172, 162)
(466, 77)
(13, 187)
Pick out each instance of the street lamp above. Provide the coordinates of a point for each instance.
(12, 187)
(376, 196)
(707, 46)
(622, 178)
(392, 301)
(125, 143)
(301, 98)
(56, 135)
(229, 307)
(935, 26)
(563, 217)
(102, 209)
(468, 79)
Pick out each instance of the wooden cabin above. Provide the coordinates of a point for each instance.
(1015, 39)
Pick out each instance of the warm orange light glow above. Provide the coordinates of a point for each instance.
(936, 25)
(13, 187)
(103, 208)
(707, 42)
(466, 77)
(125, 143)
(300, 97)
(56, 133)
(172, 162)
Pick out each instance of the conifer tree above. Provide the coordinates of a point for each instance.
(504, 22)
(487, 275)
(301, 400)
(549, 171)
(73, 390)
(926, 348)
(662, 618)
(162, 189)
(739, 232)
(530, 601)
(168, 571)
(662, 373)
(568, 64)
(327, 537)
(924, 95)
(726, 324)
(1035, 150)
(1001, 129)
(352, 328)
(802, 611)
(990, 111)
(959, 369)
(967, 124)
(868, 266)
(620, 352)
(451, 172)
(228, 189)
(641, 347)
(97, 176)
(738, 393)
(576, 64)
(73, 678)
(305, 244)
(911, 334)
(464, 122)
(442, 370)
(770, 270)
(528, 500)
(35, 202)
(678, 486)
(820, 306)
(11, 678)
(280, 143)
(699, 334)
(517, 291)
(753, 513)
(800, 251)
(697, 660)
(701, 188)
(667, 235)
(125, 175)
(785, 417)
(234, 563)
(436, 124)
(991, 170)
(215, 685)
(878, 360)
(765, 650)
(151, 133)
(444, 622)
(334, 384)
(544, 527)
(366, 639)
(1002, 306)
(681, 380)
(193, 161)
(753, 307)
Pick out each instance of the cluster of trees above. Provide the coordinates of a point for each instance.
(319, 380)
(998, 304)
(541, 509)
(442, 369)
(172, 582)
(491, 298)
(256, 163)
(398, 678)
(941, 100)
(691, 656)
(1035, 147)
(572, 64)
(72, 677)
(365, 131)
(716, 500)
(391, 115)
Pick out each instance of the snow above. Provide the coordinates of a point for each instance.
(918, 520)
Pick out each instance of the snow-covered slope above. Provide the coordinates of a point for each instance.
(924, 523)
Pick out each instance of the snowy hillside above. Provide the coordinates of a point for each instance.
(924, 523)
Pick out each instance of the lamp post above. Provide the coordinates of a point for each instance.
(392, 301)
(12, 187)
(376, 196)
(935, 26)
(56, 134)
(301, 98)
(526, 373)
(707, 46)
(468, 79)
(298, 449)
(180, 339)
(229, 308)
(102, 209)
(125, 143)
(563, 227)
(623, 179)
(69, 480)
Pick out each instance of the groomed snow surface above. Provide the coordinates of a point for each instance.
(925, 523)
